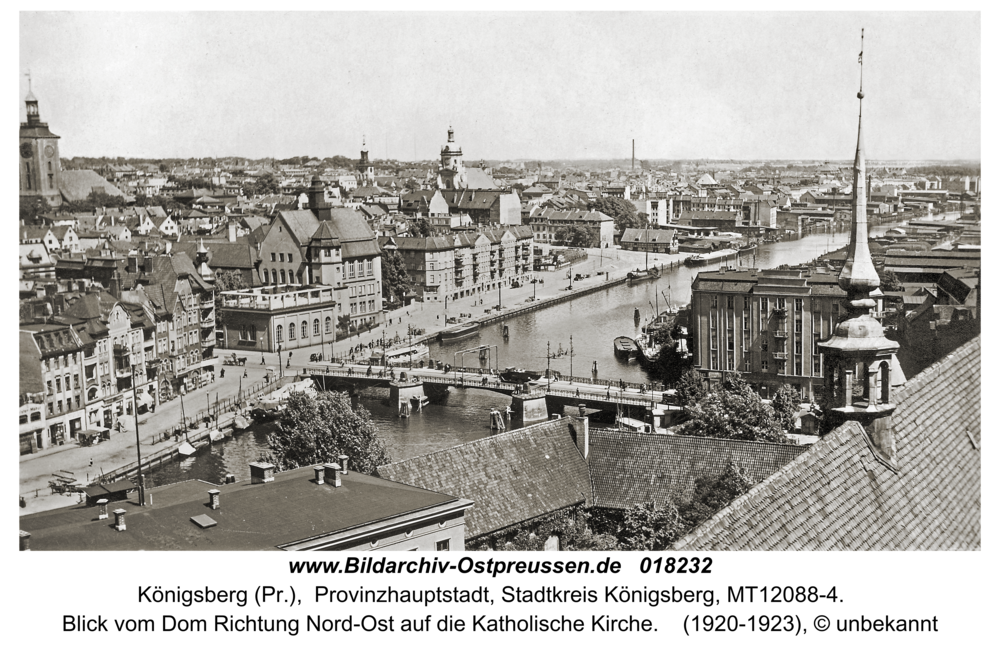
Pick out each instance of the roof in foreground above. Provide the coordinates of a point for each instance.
(251, 517)
(512, 477)
(630, 468)
(838, 496)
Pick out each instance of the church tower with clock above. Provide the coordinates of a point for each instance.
(39, 157)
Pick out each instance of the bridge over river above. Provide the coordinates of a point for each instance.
(411, 389)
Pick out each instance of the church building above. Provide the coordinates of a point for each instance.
(39, 164)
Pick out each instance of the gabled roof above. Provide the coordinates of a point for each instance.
(837, 495)
(78, 184)
(512, 477)
(645, 235)
(300, 223)
(629, 468)
(29, 365)
(222, 254)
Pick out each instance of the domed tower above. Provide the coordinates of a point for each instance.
(858, 358)
(366, 170)
(452, 170)
(39, 156)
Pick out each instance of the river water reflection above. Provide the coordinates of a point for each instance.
(593, 321)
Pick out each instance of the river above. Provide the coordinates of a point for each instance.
(593, 321)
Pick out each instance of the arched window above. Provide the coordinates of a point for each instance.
(305, 329)
(274, 276)
(277, 334)
(328, 323)
(291, 331)
(282, 276)
(316, 327)
(91, 394)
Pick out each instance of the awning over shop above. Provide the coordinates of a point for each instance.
(145, 399)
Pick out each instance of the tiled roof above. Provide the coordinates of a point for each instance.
(301, 225)
(837, 495)
(645, 235)
(629, 468)
(222, 254)
(512, 477)
(30, 365)
(77, 184)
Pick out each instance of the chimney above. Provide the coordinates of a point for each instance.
(24, 541)
(343, 463)
(102, 512)
(168, 244)
(261, 472)
(332, 473)
(213, 499)
(232, 232)
(230, 478)
(147, 264)
(319, 473)
(579, 430)
(120, 520)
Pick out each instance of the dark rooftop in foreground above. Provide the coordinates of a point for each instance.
(290, 509)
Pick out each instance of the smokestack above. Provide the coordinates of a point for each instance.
(332, 473)
(120, 520)
(319, 473)
(261, 472)
(102, 512)
(24, 539)
(213, 499)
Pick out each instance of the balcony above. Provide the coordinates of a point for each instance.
(779, 313)
(781, 333)
(208, 323)
(123, 372)
(780, 355)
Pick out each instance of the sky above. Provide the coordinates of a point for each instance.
(513, 85)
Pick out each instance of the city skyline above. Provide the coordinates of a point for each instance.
(535, 86)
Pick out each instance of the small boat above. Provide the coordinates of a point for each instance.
(636, 317)
(625, 347)
(638, 276)
(709, 257)
(240, 422)
(516, 375)
(464, 331)
(186, 449)
(403, 355)
(215, 435)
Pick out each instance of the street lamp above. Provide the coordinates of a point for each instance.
(138, 450)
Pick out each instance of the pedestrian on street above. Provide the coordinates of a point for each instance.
(262, 360)
(222, 372)
(245, 374)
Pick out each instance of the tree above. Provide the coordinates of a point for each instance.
(690, 388)
(266, 184)
(621, 210)
(647, 526)
(420, 228)
(712, 493)
(314, 430)
(578, 236)
(226, 280)
(670, 365)
(786, 403)
(32, 207)
(735, 412)
(344, 323)
(395, 281)
(888, 281)
(412, 184)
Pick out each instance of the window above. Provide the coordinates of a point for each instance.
(50, 408)
(48, 384)
(781, 303)
(715, 360)
(327, 324)
(305, 329)
(443, 546)
(36, 416)
(281, 256)
(289, 257)
(729, 301)
(798, 326)
(274, 257)
(277, 334)
(253, 332)
(715, 301)
(798, 304)
(76, 381)
(291, 331)
(316, 327)
(371, 267)
(350, 270)
(58, 385)
(354, 308)
(763, 365)
(798, 346)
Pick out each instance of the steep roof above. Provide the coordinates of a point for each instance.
(478, 179)
(29, 365)
(77, 184)
(512, 477)
(629, 468)
(301, 224)
(837, 495)
(222, 254)
(644, 235)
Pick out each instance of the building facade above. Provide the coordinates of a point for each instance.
(39, 160)
(267, 318)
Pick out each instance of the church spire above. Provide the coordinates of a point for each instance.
(858, 276)
(858, 360)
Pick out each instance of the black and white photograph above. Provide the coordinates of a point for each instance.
(500, 281)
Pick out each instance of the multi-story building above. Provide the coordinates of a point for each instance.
(765, 324)
(39, 166)
(265, 318)
(466, 263)
(60, 352)
(549, 225)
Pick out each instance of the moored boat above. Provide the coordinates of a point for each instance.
(517, 375)
(638, 276)
(709, 257)
(464, 331)
(625, 347)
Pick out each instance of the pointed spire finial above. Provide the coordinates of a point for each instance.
(861, 65)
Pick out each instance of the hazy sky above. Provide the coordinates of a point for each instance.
(518, 85)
